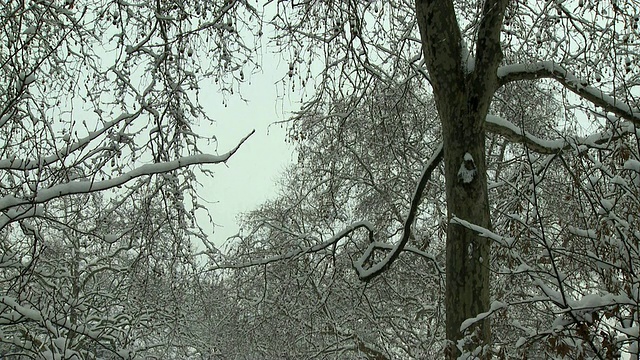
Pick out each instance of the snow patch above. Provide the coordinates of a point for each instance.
(468, 157)
(30, 30)
(495, 306)
(111, 238)
(467, 171)
(633, 165)
(468, 61)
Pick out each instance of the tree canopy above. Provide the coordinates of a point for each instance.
(467, 183)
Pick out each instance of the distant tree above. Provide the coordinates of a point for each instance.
(99, 103)
(116, 285)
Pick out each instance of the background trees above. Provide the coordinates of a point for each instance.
(98, 192)
(534, 104)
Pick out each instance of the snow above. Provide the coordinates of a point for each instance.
(553, 295)
(468, 61)
(512, 129)
(20, 212)
(80, 187)
(30, 164)
(30, 30)
(504, 241)
(588, 233)
(633, 165)
(111, 238)
(21, 311)
(606, 204)
(26, 79)
(570, 81)
(495, 306)
(467, 171)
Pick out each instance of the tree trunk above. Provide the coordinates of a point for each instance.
(467, 259)
(462, 96)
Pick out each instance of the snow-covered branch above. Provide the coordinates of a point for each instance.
(306, 250)
(512, 132)
(504, 241)
(14, 163)
(551, 70)
(82, 187)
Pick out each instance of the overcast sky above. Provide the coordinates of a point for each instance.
(250, 176)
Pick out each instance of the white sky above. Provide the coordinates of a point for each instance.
(249, 178)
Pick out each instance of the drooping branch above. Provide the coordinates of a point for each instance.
(514, 133)
(306, 250)
(18, 207)
(378, 268)
(551, 70)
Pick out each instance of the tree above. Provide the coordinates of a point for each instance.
(97, 166)
(142, 65)
(468, 51)
(363, 167)
(346, 170)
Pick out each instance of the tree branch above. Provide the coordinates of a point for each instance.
(13, 205)
(309, 249)
(14, 163)
(551, 70)
(511, 132)
(377, 269)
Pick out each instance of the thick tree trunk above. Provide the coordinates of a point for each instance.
(467, 260)
(462, 96)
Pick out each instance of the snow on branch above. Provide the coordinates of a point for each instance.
(512, 132)
(19, 213)
(495, 306)
(378, 268)
(504, 241)
(19, 313)
(306, 250)
(32, 164)
(549, 69)
(81, 187)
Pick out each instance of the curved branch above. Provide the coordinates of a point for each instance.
(309, 249)
(26, 207)
(514, 133)
(551, 70)
(379, 268)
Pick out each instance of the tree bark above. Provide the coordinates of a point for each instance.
(463, 95)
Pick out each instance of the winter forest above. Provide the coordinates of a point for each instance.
(467, 183)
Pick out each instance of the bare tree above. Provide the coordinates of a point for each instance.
(584, 52)
(100, 101)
